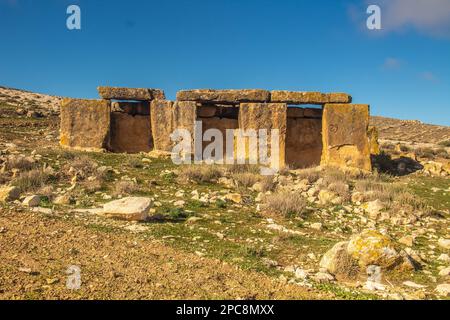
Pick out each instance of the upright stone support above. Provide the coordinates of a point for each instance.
(85, 124)
(345, 136)
(166, 116)
(267, 116)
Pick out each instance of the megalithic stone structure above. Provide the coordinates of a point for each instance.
(141, 120)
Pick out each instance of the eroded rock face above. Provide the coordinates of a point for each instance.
(129, 209)
(224, 96)
(166, 116)
(143, 94)
(85, 124)
(345, 139)
(299, 97)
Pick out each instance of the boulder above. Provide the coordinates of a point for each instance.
(443, 290)
(140, 94)
(373, 248)
(224, 96)
(337, 261)
(345, 137)
(299, 97)
(129, 209)
(234, 197)
(32, 201)
(9, 193)
(85, 124)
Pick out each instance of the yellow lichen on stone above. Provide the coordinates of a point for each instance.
(345, 136)
(373, 140)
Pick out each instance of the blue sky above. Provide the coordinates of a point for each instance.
(402, 71)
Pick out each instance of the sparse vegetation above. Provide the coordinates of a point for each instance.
(286, 203)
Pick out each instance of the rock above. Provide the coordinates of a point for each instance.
(357, 197)
(85, 124)
(64, 199)
(407, 241)
(370, 247)
(32, 201)
(227, 182)
(444, 243)
(301, 274)
(434, 168)
(316, 226)
(337, 261)
(323, 277)
(374, 276)
(224, 96)
(413, 285)
(345, 137)
(258, 187)
(130, 209)
(444, 258)
(9, 193)
(445, 272)
(326, 197)
(298, 97)
(143, 94)
(234, 197)
(179, 204)
(443, 290)
(374, 208)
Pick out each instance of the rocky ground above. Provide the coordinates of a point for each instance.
(216, 232)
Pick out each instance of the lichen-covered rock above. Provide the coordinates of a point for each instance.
(345, 139)
(129, 209)
(299, 97)
(224, 96)
(338, 262)
(85, 124)
(166, 116)
(9, 193)
(130, 93)
(371, 247)
(373, 140)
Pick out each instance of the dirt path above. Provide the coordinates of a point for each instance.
(36, 251)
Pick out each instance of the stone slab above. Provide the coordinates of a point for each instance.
(142, 94)
(224, 96)
(300, 97)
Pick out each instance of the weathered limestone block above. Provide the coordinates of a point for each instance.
(130, 134)
(266, 116)
(166, 116)
(85, 124)
(141, 108)
(345, 139)
(299, 97)
(131, 93)
(224, 96)
(303, 142)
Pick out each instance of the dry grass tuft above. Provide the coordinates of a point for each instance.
(20, 163)
(31, 180)
(125, 188)
(311, 174)
(285, 203)
(199, 173)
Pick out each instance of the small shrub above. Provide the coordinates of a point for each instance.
(311, 174)
(242, 168)
(341, 189)
(205, 173)
(20, 163)
(426, 153)
(246, 179)
(373, 190)
(125, 188)
(135, 163)
(31, 180)
(285, 203)
(445, 143)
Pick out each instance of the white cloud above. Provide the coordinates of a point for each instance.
(392, 64)
(429, 76)
(431, 17)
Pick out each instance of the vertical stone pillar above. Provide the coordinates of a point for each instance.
(266, 116)
(345, 136)
(85, 124)
(166, 116)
